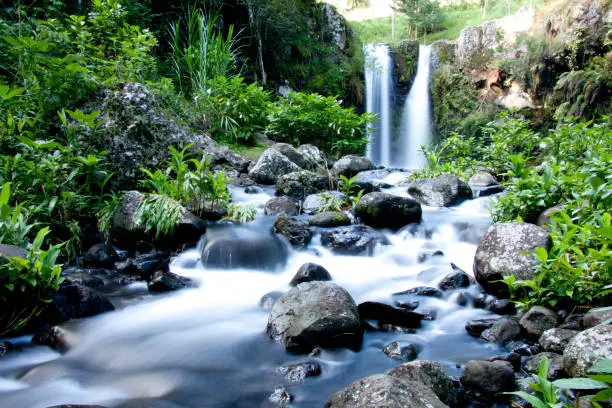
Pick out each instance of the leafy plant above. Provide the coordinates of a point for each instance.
(546, 395)
(331, 202)
(159, 214)
(241, 213)
(599, 379)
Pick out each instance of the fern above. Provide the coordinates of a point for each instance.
(158, 213)
(241, 213)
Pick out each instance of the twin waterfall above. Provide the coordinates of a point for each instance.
(393, 143)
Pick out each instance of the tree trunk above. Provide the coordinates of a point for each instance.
(484, 9)
(259, 43)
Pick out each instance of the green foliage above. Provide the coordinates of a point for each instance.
(14, 226)
(241, 213)
(332, 202)
(158, 213)
(423, 15)
(322, 121)
(546, 395)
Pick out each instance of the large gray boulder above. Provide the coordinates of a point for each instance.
(431, 374)
(537, 320)
(597, 316)
(350, 165)
(443, 191)
(280, 205)
(315, 314)
(353, 240)
(313, 156)
(586, 348)
(382, 390)
(299, 184)
(506, 249)
(296, 231)
(292, 154)
(383, 210)
(270, 166)
(555, 340)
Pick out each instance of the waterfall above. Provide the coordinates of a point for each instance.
(416, 120)
(379, 93)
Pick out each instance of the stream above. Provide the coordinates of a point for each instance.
(207, 346)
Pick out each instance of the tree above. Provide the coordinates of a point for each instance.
(423, 15)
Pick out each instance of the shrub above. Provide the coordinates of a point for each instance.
(241, 213)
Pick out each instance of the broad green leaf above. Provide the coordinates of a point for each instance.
(532, 399)
(579, 384)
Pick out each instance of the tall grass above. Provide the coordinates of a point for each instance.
(200, 52)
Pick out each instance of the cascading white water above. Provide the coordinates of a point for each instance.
(379, 93)
(416, 120)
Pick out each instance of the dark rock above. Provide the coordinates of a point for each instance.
(164, 281)
(430, 374)
(455, 280)
(421, 291)
(386, 314)
(555, 340)
(280, 397)
(101, 255)
(478, 326)
(267, 301)
(487, 191)
(488, 378)
(82, 277)
(75, 301)
(5, 348)
(597, 316)
(555, 368)
(586, 348)
(383, 210)
(310, 272)
(77, 406)
(330, 219)
(314, 203)
(424, 256)
(280, 205)
(462, 299)
(402, 304)
(315, 313)
(211, 211)
(506, 249)
(371, 180)
(443, 191)
(349, 166)
(231, 247)
(144, 265)
(271, 165)
(502, 331)
(524, 349)
(513, 358)
(573, 322)
(253, 190)
(385, 391)
(401, 351)
(353, 240)
(297, 373)
(300, 184)
(296, 231)
(500, 306)
(54, 337)
(537, 320)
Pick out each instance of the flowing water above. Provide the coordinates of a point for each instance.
(207, 346)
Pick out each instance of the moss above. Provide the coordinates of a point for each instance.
(405, 61)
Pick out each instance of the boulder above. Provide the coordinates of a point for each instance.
(166, 281)
(443, 191)
(537, 320)
(296, 231)
(270, 166)
(101, 255)
(477, 326)
(502, 331)
(74, 301)
(315, 313)
(431, 374)
(555, 340)
(314, 157)
(455, 280)
(371, 180)
(55, 337)
(383, 210)
(586, 348)
(506, 249)
(401, 350)
(145, 265)
(382, 390)
(267, 301)
(597, 316)
(300, 184)
(296, 373)
(350, 165)
(310, 272)
(555, 367)
(231, 247)
(293, 155)
(330, 219)
(353, 240)
(500, 306)
(386, 314)
(427, 291)
(482, 179)
(488, 378)
(280, 205)
(314, 203)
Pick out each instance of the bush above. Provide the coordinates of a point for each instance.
(322, 121)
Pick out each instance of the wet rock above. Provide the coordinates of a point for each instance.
(9, 251)
(83, 277)
(383, 210)
(280, 205)
(280, 397)
(462, 299)
(502, 331)
(293, 155)
(313, 156)
(330, 219)
(75, 301)
(314, 203)
(426, 291)
(267, 301)
(353, 240)
(386, 314)
(310, 272)
(5, 348)
(478, 326)
(297, 373)
(513, 358)
(350, 165)
(270, 166)
(424, 256)
(300, 184)
(482, 179)
(555, 340)
(144, 265)
(253, 190)
(487, 191)
(401, 351)
(555, 367)
(315, 313)
(230, 247)
(597, 316)
(385, 391)
(500, 306)
(211, 211)
(523, 348)
(488, 378)
(537, 320)
(432, 375)
(586, 348)
(403, 304)
(506, 249)
(77, 406)
(101, 255)
(54, 337)
(443, 191)
(371, 180)
(296, 231)
(455, 280)
(165, 281)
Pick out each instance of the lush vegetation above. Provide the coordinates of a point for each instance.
(569, 167)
